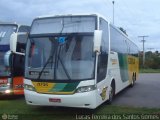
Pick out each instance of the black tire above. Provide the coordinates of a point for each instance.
(135, 77)
(111, 93)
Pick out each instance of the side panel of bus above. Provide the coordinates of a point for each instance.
(18, 86)
(126, 57)
(18, 72)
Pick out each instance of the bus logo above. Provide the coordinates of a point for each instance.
(114, 61)
(103, 94)
(131, 60)
(19, 86)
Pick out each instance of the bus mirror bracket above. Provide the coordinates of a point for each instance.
(13, 42)
(97, 40)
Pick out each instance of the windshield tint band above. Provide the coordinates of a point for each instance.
(65, 24)
(58, 34)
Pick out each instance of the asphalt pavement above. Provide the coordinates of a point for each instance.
(145, 93)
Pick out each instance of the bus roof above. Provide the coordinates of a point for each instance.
(9, 23)
(88, 14)
(5, 23)
(78, 14)
(123, 34)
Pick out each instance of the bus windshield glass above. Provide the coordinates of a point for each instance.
(61, 58)
(5, 32)
(64, 55)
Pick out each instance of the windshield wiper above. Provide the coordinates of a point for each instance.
(63, 66)
(53, 51)
(48, 61)
(57, 57)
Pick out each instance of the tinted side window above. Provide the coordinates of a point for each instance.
(21, 43)
(133, 50)
(103, 57)
(118, 41)
(24, 29)
(18, 65)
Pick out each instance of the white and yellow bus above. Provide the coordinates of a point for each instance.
(77, 61)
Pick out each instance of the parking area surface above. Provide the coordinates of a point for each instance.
(145, 93)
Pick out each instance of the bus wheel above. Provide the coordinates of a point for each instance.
(133, 80)
(111, 93)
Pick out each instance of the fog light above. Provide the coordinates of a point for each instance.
(8, 91)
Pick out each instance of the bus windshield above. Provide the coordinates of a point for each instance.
(4, 65)
(5, 32)
(61, 58)
(61, 48)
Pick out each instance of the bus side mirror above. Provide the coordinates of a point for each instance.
(18, 42)
(13, 42)
(97, 40)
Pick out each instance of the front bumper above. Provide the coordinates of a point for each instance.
(79, 100)
(6, 91)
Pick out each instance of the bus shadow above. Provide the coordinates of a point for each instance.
(64, 110)
(11, 97)
(121, 93)
(127, 92)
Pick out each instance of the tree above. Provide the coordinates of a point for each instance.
(152, 60)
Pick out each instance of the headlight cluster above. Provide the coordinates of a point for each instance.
(85, 89)
(8, 84)
(29, 87)
(8, 91)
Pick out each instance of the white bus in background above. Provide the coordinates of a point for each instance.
(12, 64)
(77, 61)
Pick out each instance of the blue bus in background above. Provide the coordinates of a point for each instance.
(11, 65)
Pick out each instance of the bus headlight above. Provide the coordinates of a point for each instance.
(85, 89)
(8, 91)
(29, 87)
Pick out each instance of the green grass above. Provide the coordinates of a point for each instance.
(26, 112)
(149, 70)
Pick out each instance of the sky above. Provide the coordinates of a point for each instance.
(137, 17)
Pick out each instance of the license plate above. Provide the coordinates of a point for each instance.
(56, 100)
(3, 81)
